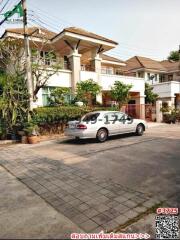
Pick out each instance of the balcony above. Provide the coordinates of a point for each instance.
(138, 84)
(167, 89)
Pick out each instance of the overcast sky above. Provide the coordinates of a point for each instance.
(142, 27)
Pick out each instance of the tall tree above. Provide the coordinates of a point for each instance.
(174, 55)
(120, 92)
(44, 62)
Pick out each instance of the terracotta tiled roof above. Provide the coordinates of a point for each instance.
(50, 35)
(34, 31)
(87, 34)
(171, 65)
(143, 62)
(109, 58)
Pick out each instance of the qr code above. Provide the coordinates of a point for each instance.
(167, 227)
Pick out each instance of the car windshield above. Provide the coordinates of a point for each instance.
(90, 117)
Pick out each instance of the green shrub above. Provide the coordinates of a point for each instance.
(52, 120)
(172, 117)
(52, 115)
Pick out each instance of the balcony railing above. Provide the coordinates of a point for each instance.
(50, 62)
(89, 68)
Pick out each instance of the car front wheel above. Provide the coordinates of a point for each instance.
(102, 135)
(139, 130)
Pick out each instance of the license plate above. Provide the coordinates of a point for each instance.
(72, 126)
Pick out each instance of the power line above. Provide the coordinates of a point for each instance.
(7, 16)
(10, 5)
(46, 18)
(4, 5)
(42, 22)
(128, 50)
(48, 21)
(52, 16)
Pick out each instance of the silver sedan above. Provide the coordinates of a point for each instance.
(102, 124)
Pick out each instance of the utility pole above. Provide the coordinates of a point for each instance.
(27, 56)
(179, 60)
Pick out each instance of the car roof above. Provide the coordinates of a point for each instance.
(101, 112)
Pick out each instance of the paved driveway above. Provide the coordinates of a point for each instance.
(101, 186)
(150, 163)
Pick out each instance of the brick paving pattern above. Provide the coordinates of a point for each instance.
(91, 203)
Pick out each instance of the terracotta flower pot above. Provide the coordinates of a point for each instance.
(24, 139)
(33, 139)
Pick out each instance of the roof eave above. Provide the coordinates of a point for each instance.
(114, 62)
(83, 37)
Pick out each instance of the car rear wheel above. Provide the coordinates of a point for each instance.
(139, 130)
(102, 135)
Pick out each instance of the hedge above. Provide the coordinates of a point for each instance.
(57, 114)
(52, 120)
(52, 115)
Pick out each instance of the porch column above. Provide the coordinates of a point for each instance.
(159, 115)
(171, 103)
(96, 65)
(75, 65)
(141, 102)
(142, 105)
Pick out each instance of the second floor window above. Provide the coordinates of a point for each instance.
(107, 70)
(43, 57)
(162, 78)
(170, 77)
(119, 72)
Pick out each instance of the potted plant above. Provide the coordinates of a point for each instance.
(2, 130)
(31, 130)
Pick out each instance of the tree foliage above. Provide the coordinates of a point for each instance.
(174, 56)
(58, 96)
(43, 67)
(13, 61)
(87, 90)
(14, 101)
(150, 95)
(120, 92)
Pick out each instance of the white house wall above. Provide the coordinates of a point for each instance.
(60, 79)
(138, 85)
(63, 79)
(167, 89)
(85, 75)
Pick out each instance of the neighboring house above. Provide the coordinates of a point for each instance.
(164, 76)
(82, 56)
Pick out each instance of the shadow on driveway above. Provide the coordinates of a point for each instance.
(93, 140)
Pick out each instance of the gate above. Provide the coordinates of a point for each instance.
(136, 111)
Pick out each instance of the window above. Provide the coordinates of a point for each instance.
(110, 70)
(90, 117)
(47, 58)
(113, 116)
(103, 70)
(107, 70)
(66, 62)
(149, 76)
(155, 77)
(46, 93)
(140, 74)
(170, 77)
(119, 72)
(161, 78)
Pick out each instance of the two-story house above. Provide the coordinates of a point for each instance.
(163, 75)
(83, 56)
